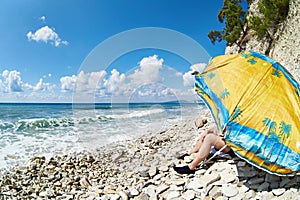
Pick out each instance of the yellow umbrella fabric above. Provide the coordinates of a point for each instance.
(256, 100)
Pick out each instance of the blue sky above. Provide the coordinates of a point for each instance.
(44, 45)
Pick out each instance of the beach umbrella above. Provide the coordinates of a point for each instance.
(255, 102)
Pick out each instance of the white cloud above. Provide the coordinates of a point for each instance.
(46, 34)
(148, 71)
(12, 80)
(41, 86)
(178, 74)
(89, 82)
(188, 78)
(83, 82)
(115, 83)
(43, 19)
(68, 83)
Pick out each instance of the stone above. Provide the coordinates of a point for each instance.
(85, 182)
(200, 171)
(288, 195)
(158, 176)
(177, 182)
(241, 164)
(153, 171)
(109, 191)
(171, 195)
(267, 195)
(215, 192)
(195, 184)
(221, 198)
(279, 191)
(227, 177)
(133, 192)
(254, 181)
(229, 190)
(150, 190)
(263, 187)
(274, 185)
(175, 188)
(200, 123)
(143, 172)
(284, 181)
(142, 196)
(243, 189)
(161, 188)
(164, 168)
(250, 194)
(255, 186)
(272, 178)
(207, 179)
(189, 194)
(43, 194)
(57, 184)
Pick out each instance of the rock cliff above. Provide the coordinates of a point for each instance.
(286, 49)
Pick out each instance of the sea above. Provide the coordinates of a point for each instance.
(48, 129)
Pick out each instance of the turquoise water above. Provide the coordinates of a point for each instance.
(28, 130)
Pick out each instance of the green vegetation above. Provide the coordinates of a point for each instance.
(234, 17)
(272, 13)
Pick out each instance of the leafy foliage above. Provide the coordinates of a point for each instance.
(273, 12)
(234, 17)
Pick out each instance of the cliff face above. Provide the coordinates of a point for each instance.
(286, 49)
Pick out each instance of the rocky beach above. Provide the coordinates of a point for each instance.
(143, 169)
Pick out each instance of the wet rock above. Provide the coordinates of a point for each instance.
(255, 180)
(263, 187)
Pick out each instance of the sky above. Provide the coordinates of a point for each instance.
(104, 50)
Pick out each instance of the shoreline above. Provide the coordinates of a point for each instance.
(143, 169)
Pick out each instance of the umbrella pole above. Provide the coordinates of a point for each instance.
(215, 154)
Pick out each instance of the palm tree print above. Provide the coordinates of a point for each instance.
(252, 61)
(211, 75)
(271, 128)
(224, 94)
(276, 135)
(271, 125)
(245, 55)
(237, 114)
(273, 140)
(276, 73)
(284, 130)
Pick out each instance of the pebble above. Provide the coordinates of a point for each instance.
(171, 194)
(142, 169)
(278, 192)
(152, 171)
(229, 190)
